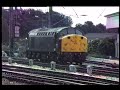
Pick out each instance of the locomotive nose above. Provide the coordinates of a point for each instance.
(73, 43)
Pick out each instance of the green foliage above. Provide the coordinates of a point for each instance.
(31, 19)
(89, 27)
(101, 28)
(59, 20)
(107, 47)
(102, 48)
(93, 46)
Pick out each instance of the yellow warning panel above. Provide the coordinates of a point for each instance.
(74, 43)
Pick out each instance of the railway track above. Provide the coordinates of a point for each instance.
(113, 72)
(59, 78)
(102, 63)
(86, 62)
(107, 71)
(24, 77)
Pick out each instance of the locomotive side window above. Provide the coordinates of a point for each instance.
(63, 32)
(71, 31)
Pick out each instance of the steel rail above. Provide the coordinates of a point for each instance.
(96, 70)
(59, 74)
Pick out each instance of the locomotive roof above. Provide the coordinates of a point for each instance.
(40, 30)
(56, 29)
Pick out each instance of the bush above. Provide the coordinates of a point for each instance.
(107, 47)
(102, 48)
(93, 46)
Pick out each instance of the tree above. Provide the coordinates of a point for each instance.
(60, 20)
(107, 47)
(80, 28)
(93, 46)
(89, 27)
(101, 28)
(31, 19)
(89, 23)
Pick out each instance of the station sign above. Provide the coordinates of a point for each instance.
(17, 28)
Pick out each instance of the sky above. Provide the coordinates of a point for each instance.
(94, 14)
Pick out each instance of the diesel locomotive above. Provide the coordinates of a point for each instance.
(62, 45)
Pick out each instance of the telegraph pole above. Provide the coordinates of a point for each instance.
(50, 17)
(11, 31)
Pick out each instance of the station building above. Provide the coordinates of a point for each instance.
(112, 27)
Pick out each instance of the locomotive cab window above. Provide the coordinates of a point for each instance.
(78, 32)
(63, 33)
(71, 31)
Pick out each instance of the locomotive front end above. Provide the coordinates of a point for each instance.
(74, 48)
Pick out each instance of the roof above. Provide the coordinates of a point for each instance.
(113, 14)
(93, 36)
(56, 29)
(35, 31)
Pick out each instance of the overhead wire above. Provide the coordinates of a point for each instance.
(101, 13)
(75, 13)
(59, 21)
(68, 15)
